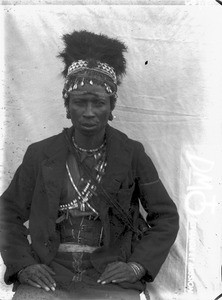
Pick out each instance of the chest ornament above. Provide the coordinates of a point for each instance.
(86, 189)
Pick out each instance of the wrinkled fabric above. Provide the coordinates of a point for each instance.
(79, 291)
(170, 100)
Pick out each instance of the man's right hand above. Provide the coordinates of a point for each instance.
(38, 275)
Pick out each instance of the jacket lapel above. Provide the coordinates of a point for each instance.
(53, 169)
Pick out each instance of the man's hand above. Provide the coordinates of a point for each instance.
(38, 275)
(118, 272)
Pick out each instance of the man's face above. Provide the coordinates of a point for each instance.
(89, 109)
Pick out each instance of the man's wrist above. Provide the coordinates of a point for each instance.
(138, 269)
(19, 272)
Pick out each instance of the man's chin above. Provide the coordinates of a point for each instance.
(90, 130)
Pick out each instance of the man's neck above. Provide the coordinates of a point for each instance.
(89, 141)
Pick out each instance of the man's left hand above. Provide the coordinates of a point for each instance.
(118, 272)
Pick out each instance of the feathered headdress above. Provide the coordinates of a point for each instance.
(91, 47)
(92, 58)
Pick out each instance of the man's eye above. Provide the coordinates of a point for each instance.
(100, 102)
(78, 102)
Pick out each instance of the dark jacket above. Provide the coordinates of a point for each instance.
(34, 195)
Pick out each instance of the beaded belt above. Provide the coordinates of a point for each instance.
(69, 247)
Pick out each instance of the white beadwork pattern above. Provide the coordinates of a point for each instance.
(104, 68)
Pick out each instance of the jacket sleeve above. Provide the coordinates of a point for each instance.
(162, 218)
(15, 206)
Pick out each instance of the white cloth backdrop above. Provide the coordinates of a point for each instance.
(172, 105)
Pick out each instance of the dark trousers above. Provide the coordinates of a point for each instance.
(26, 292)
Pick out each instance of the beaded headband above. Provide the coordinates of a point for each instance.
(103, 68)
(76, 75)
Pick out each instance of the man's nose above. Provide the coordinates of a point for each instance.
(88, 112)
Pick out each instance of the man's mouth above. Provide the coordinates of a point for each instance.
(88, 124)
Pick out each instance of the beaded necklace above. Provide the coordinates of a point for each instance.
(88, 150)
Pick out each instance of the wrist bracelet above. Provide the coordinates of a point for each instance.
(19, 272)
(138, 269)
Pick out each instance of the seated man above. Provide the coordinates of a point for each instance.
(81, 191)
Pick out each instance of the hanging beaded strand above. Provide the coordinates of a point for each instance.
(83, 196)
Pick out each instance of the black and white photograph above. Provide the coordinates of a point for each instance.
(111, 150)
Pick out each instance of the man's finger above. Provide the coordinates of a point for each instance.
(113, 266)
(117, 280)
(117, 267)
(117, 272)
(49, 278)
(112, 275)
(48, 282)
(41, 282)
(48, 269)
(32, 283)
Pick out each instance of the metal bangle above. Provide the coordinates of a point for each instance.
(19, 272)
(138, 269)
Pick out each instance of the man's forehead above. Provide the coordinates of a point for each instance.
(88, 95)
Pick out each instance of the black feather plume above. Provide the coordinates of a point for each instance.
(93, 47)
